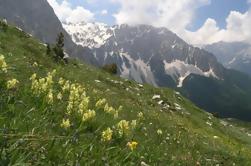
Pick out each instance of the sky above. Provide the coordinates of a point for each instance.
(196, 21)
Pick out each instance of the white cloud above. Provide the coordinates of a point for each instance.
(104, 12)
(66, 12)
(179, 15)
(237, 29)
(175, 15)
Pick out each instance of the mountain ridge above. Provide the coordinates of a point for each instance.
(233, 55)
(128, 43)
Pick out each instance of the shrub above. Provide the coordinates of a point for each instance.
(3, 25)
(216, 114)
(111, 68)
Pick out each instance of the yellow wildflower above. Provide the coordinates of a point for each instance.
(159, 132)
(81, 90)
(89, 115)
(49, 97)
(106, 108)
(42, 85)
(61, 81)
(107, 135)
(78, 101)
(35, 87)
(3, 65)
(100, 103)
(59, 96)
(111, 110)
(132, 145)
(84, 104)
(123, 128)
(66, 86)
(12, 84)
(65, 123)
(49, 80)
(70, 106)
(33, 77)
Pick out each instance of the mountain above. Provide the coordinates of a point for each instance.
(145, 53)
(234, 55)
(159, 57)
(38, 19)
(39, 126)
(92, 35)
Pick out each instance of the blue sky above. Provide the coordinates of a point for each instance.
(101, 5)
(218, 10)
(196, 21)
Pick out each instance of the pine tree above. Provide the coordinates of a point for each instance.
(48, 49)
(59, 47)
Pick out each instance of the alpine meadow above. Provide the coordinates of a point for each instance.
(79, 93)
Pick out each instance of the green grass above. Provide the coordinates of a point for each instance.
(30, 131)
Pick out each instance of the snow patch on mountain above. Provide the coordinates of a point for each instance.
(92, 35)
(232, 61)
(137, 70)
(211, 73)
(180, 70)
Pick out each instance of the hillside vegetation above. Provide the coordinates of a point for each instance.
(75, 114)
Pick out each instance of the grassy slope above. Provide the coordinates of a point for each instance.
(30, 131)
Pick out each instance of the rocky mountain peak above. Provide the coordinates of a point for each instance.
(143, 52)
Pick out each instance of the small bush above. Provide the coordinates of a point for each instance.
(3, 25)
(216, 114)
(111, 68)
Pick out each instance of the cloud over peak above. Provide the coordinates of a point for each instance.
(67, 13)
(177, 16)
(237, 29)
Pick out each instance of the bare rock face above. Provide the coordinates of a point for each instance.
(233, 55)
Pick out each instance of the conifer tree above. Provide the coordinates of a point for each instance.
(48, 49)
(59, 47)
